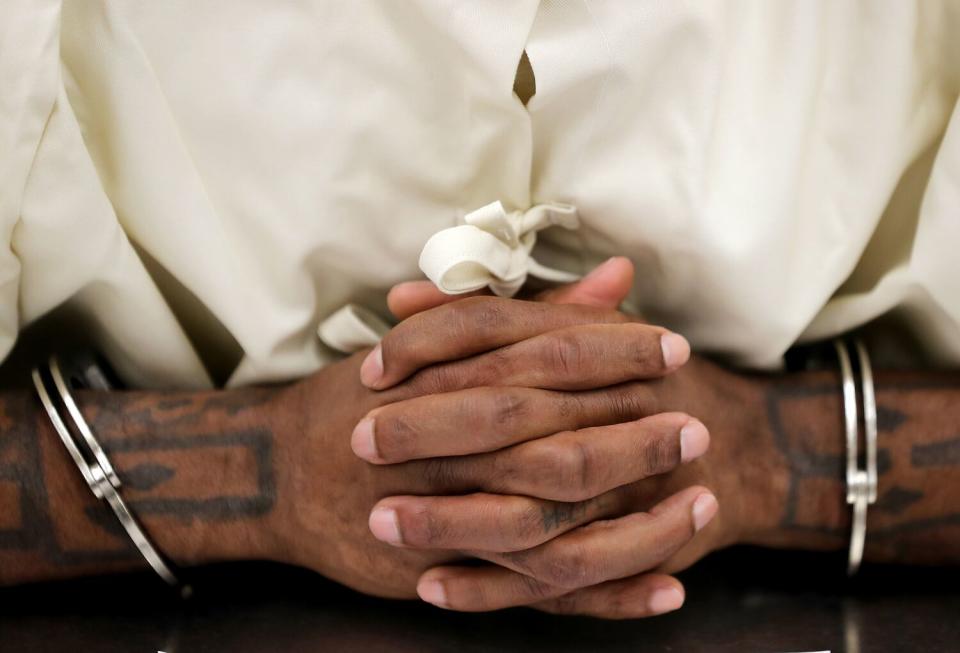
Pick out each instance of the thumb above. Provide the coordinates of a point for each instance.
(606, 286)
(410, 297)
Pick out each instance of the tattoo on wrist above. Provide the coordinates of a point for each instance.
(917, 455)
(169, 464)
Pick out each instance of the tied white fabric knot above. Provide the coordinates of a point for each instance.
(493, 249)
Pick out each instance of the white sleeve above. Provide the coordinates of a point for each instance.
(910, 271)
(29, 77)
(60, 240)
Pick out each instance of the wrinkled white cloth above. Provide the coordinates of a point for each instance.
(493, 249)
(352, 328)
(201, 185)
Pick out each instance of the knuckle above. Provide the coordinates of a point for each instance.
(629, 402)
(534, 589)
(472, 411)
(504, 467)
(495, 367)
(584, 469)
(484, 312)
(570, 567)
(675, 535)
(461, 374)
(568, 603)
(509, 407)
(452, 317)
(440, 473)
(621, 603)
(569, 405)
(464, 318)
(466, 593)
(456, 318)
(396, 436)
(423, 528)
(556, 469)
(437, 378)
(575, 470)
(491, 414)
(526, 525)
(479, 595)
(644, 348)
(565, 354)
(660, 455)
(437, 531)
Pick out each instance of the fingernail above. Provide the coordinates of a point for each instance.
(666, 599)
(385, 526)
(597, 271)
(704, 509)
(694, 440)
(364, 443)
(676, 350)
(372, 369)
(432, 591)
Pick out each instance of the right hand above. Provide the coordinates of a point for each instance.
(542, 462)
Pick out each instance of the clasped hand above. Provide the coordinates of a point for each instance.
(511, 432)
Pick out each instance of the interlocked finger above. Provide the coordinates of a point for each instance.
(466, 327)
(586, 557)
(480, 589)
(483, 419)
(618, 548)
(484, 522)
(574, 358)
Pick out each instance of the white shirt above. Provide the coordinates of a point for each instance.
(211, 180)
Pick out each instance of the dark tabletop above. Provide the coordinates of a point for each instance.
(740, 600)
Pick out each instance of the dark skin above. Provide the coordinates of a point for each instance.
(269, 473)
(286, 455)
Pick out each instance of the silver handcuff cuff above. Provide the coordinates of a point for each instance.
(861, 482)
(94, 465)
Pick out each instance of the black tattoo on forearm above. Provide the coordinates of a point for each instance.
(904, 466)
(897, 499)
(936, 454)
(161, 438)
(23, 472)
(258, 442)
(805, 461)
(147, 476)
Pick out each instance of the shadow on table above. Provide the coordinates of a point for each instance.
(739, 600)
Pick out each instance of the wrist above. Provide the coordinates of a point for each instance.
(197, 468)
(316, 483)
(797, 499)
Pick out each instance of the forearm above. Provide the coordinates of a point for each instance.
(197, 470)
(917, 514)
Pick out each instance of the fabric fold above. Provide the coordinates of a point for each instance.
(494, 249)
(352, 328)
